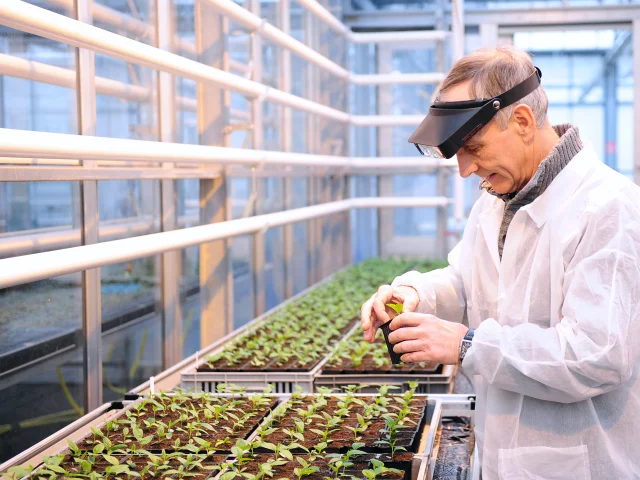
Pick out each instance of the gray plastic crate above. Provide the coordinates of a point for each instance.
(420, 462)
(283, 382)
(441, 383)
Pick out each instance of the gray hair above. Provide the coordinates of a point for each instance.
(494, 71)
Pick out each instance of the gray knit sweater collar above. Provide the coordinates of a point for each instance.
(559, 157)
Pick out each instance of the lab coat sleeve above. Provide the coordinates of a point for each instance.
(441, 291)
(593, 349)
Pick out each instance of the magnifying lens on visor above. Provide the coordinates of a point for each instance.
(450, 124)
(428, 151)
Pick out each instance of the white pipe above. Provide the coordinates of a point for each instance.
(40, 266)
(267, 31)
(400, 37)
(457, 32)
(39, 241)
(398, 79)
(127, 23)
(26, 144)
(114, 18)
(64, 77)
(401, 162)
(314, 7)
(326, 16)
(38, 21)
(386, 120)
(239, 66)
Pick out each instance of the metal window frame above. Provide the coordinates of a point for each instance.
(88, 159)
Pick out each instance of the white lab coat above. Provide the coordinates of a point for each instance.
(557, 342)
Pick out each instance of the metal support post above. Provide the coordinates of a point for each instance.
(347, 258)
(286, 136)
(259, 285)
(216, 277)
(384, 60)
(442, 214)
(611, 115)
(457, 47)
(91, 301)
(172, 317)
(312, 93)
(326, 252)
(636, 100)
(441, 65)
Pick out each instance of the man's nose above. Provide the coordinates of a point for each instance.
(466, 165)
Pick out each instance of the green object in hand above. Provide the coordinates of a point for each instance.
(397, 307)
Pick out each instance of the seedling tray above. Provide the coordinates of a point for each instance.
(428, 383)
(356, 362)
(410, 437)
(414, 464)
(216, 431)
(119, 466)
(256, 381)
(412, 469)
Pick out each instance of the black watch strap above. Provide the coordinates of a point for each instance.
(466, 344)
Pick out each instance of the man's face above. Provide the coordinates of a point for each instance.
(493, 154)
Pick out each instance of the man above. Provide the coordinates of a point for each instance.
(547, 276)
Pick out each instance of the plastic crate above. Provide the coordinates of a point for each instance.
(420, 462)
(432, 383)
(255, 381)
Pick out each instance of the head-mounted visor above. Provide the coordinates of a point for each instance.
(450, 124)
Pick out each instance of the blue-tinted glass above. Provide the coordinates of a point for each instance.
(130, 292)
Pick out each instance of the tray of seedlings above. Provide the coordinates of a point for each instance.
(170, 435)
(454, 455)
(357, 361)
(330, 435)
(290, 347)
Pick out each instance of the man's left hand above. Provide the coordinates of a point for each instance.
(427, 338)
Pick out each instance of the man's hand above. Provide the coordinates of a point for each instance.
(374, 311)
(427, 338)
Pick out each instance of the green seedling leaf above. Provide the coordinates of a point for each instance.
(19, 471)
(57, 469)
(111, 460)
(72, 446)
(117, 469)
(397, 307)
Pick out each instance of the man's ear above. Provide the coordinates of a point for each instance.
(524, 121)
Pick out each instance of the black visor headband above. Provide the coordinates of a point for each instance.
(450, 124)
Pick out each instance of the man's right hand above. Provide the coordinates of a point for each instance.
(374, 311)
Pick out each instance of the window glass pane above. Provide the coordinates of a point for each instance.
(134, 19)
(40, 93)
(41, 361)
(243, 292)
(188, 208)
(298, 259)
(129, 108)
(130, 292)
(41, 339)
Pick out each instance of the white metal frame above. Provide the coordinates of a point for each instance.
(38, 156)
(39, 266)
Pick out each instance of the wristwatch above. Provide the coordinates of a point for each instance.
(466, 344)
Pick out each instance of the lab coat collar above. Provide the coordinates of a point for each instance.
(563, 186)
